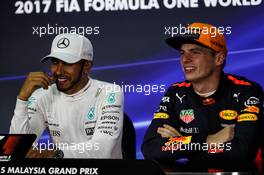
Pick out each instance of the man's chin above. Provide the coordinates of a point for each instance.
(62, 89)
(189, 78)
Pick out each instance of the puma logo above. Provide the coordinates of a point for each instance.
(180, 98)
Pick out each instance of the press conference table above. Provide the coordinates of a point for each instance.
(126, 167)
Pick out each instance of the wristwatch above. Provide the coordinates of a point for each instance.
(58, 154)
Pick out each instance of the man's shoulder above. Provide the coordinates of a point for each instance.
(105, 85)
(184, 85)
(244, 85)
(242, 82)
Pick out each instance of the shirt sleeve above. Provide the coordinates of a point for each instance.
(156, 147)
(28, 117)
(245, 144)
(107, 135)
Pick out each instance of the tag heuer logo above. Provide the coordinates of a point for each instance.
(187, 115)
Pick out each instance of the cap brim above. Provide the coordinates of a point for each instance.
(61, 56)
(177, 41)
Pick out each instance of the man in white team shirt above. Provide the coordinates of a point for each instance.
(78, 111)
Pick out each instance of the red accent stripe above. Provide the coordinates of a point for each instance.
(183, 84)
(11, 144)
(238, 82)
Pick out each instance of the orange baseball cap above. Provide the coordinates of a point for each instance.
(201, 34)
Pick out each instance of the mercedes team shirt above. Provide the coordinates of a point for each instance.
(87, 124)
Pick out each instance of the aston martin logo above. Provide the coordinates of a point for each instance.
(63, 43)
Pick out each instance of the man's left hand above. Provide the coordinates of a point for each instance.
(168, 131)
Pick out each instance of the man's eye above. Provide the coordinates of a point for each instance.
(54, 62)
(68, 64)
(196, 52)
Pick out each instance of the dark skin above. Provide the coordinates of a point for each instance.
(69, 78)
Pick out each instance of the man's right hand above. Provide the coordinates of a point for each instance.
(34, 80)
(40, 154)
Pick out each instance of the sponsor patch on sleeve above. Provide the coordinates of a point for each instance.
(253, 109)
(228, 114)
(251, 101)
(161, 115)
(247, 117)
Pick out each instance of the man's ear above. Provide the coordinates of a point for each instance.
(220, 58)
(87, 65)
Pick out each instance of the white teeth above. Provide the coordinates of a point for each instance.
(62, 79)
(189, 68)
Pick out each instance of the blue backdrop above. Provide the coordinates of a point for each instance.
(129, 49)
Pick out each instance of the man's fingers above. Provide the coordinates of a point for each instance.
(50, 78)
(173, 130)
(168, 131)
(34, 81)
(38, 82)
(165, 132)
(43, 76)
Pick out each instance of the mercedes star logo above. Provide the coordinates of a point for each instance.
(63, 43)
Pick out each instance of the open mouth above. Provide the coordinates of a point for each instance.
(62, 80)
(189, 69)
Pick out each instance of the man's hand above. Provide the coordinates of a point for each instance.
(49, 154)
(34, 80)
(224, 135)
(168, 131)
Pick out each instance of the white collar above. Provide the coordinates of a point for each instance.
(207, 94)
(80, 93)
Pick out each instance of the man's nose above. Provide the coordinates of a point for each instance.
(186, 58)
(59, 68)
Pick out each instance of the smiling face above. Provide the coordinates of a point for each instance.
(70, 78)
(198, 63)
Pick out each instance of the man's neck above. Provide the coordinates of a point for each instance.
(208, 84)
(81, 84)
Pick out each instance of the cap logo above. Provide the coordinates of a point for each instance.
(217, 44)
(63, 43)
(193, 33)
(194, 30)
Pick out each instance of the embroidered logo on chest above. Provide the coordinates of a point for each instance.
(187, 115)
